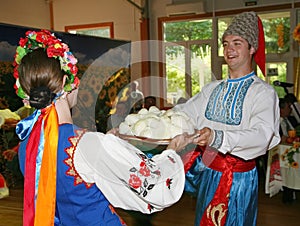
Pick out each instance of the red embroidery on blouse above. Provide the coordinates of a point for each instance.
(70, 160)
(169, 182)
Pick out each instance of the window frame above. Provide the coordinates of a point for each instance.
(94, 26)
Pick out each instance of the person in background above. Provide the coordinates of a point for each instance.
(237, 120)
(119, 116)
(149, 101)
(73, 176)
(181, 100)
(295, 105)
(287, 121)
(135, 97)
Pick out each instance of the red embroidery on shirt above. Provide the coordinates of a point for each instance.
(70, 160)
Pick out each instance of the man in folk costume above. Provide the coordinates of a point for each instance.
(237, 120)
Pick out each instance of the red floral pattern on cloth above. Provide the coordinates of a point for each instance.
(70, 160)
(142, 179)
(134, 181)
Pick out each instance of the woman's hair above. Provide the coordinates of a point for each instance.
(40, 77)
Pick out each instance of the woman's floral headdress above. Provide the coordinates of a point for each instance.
(54, 48)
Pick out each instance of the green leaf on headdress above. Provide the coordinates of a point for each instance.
(68, 87)
(71, 78)
(21, 53)
(21, 93)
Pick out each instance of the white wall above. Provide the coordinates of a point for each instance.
(124, 15)
(36, 13)
(31, 13)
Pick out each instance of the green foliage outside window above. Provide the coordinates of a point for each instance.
(277, 38)
(188, 30)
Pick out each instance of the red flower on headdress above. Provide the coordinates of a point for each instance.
(73, 68)
(23, 42)
(54, 51)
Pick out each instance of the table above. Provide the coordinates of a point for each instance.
(283, 168)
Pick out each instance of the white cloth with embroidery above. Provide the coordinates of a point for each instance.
(126, 176)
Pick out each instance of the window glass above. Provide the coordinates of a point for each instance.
(188, 30)
(105, 30)
(277, 31)
(200, 66)
(225, 71)
(223, 23)
(99, 32)
(275, 71)
(188, 57)
(175, 72)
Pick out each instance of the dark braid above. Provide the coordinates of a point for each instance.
(41, 97)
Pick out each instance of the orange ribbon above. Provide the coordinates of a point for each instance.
(44, 211)
(45, 205)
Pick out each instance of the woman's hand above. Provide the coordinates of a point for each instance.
(114, 131)
(180, 141)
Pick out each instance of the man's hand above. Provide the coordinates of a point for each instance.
(205, 137)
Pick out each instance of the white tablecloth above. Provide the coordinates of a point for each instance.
(283, 169)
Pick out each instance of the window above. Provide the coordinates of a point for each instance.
(193, 52)
(187, 52)
(104, 30)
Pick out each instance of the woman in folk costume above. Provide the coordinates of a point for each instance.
(72, 176)
(237, 120)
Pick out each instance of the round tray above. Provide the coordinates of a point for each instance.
(145, 144)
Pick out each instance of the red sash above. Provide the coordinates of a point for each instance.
(216, 211)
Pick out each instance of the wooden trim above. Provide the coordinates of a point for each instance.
(90, 26)
(255, 9)
(296, 77)
(144, 36)
(51, 15)
(145, 64)
(160, 57)
(185, 17)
